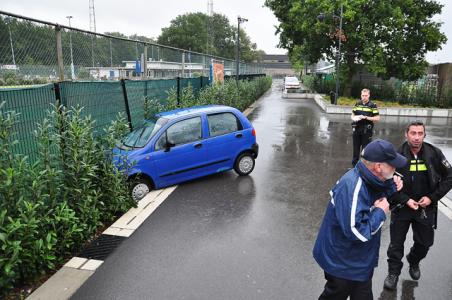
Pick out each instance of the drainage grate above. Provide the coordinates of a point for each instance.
(101, 247)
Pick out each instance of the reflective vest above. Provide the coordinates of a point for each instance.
(417, 165)
(369, 110)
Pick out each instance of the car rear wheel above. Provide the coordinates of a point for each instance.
(244, 164)
(140, 187)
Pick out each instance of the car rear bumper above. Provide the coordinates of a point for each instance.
(255, 149)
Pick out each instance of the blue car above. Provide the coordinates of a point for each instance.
(184, 144)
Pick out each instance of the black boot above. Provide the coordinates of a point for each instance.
(415, 271)
(391, 281)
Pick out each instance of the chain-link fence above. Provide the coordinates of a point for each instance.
(34, 51)
(102, 101)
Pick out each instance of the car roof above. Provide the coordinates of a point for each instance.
(292, 78)
(194, 110)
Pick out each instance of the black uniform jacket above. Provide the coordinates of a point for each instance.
(439, 173)
(369, 110)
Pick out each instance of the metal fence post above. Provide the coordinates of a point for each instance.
(145, 63)
(126, 102)
(60, 120)
(59, 50)
(178, 90)
(56, 89)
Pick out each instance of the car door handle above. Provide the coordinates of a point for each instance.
(197, 146)
(238, 135)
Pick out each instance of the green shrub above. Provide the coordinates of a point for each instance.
(51, 207)
(228, 93)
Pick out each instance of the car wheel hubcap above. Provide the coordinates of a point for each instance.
(139, 191)
(246, 164)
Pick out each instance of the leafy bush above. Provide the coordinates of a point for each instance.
(406, 93)
(51, 207)
(229, 93)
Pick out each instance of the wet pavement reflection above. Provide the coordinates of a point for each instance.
(231, 237)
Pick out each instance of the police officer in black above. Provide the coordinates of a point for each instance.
(364, 115)
(426, 179)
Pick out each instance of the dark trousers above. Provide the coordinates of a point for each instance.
(339, 288)
(360, 140)
(423, 236)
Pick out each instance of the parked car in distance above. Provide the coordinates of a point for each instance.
(291, 82)
(184, 144)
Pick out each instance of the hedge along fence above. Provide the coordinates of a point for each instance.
(50, 206)
(232, 93)
(422, 93)
(100, 100)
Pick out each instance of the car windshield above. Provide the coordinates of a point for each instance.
(140, 136)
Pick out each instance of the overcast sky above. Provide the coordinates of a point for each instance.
(148, 17)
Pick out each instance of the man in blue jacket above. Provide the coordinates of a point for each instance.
(348, 242)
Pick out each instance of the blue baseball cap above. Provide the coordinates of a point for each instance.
(383, 151)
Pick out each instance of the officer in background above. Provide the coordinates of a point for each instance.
(364, 115)
(426, 179)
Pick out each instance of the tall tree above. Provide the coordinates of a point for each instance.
(389, 37)
(207, 34)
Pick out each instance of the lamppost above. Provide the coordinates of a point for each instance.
(70, 42)
(321, 17)
(7, 21)
(237, 69)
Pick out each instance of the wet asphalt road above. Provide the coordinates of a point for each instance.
(230, 237)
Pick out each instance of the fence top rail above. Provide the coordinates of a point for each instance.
(108, 36)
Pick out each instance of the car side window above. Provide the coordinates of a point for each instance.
(182, 132)
(223, 123)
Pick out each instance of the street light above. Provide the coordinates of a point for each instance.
(70, 42)
(237, 70)
(322, 17)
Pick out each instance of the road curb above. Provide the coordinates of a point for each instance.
(64, 283)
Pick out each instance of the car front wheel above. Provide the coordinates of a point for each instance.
(244, 164)
(140, 187)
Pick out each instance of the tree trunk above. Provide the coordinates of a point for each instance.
(348, 84)
(351, 70)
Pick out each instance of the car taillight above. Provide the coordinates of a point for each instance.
(253, 132)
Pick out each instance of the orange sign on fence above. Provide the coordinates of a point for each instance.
(218, 72)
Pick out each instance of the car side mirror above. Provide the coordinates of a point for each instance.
(168, 146)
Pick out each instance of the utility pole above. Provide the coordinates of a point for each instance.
(237, 68)
(92, 26)
(321, 18)
(209, 27)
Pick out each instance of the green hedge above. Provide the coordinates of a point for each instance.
(48, 209)
(229, 93)
(411, 93)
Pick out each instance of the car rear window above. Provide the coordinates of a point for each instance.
(291, 79)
